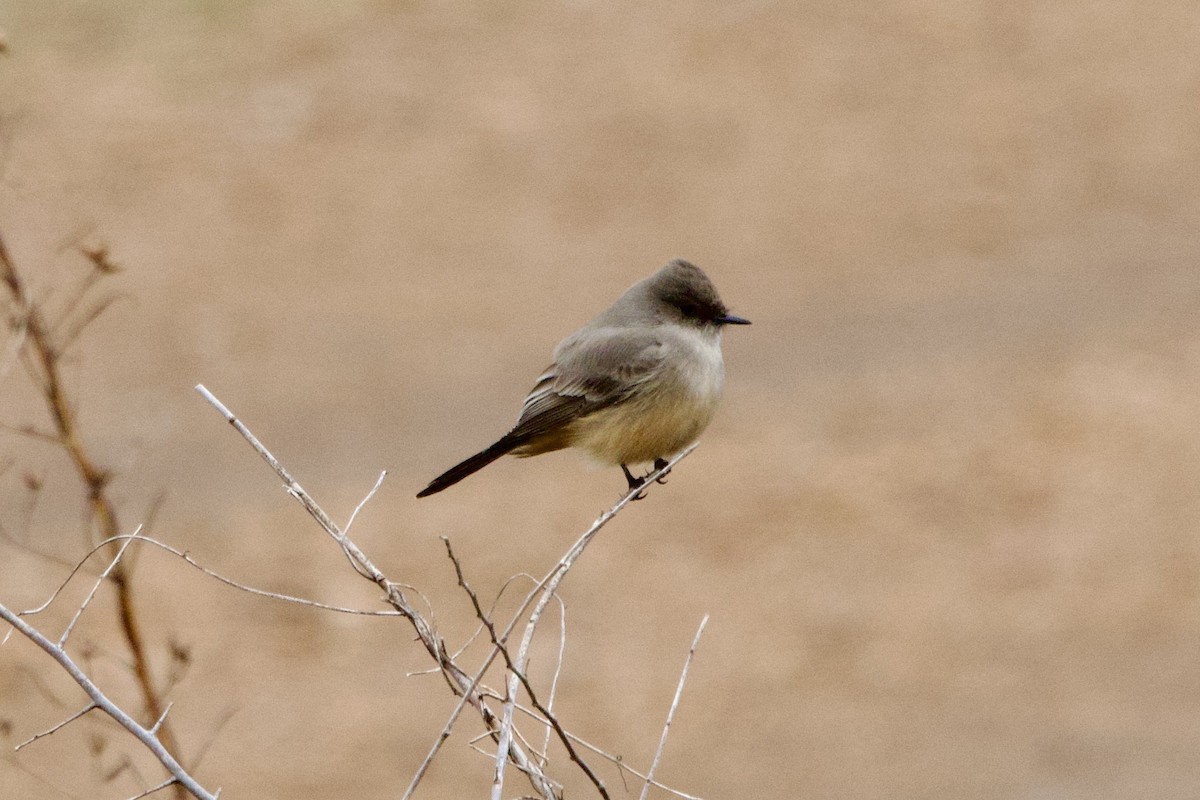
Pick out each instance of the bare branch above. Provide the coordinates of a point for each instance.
(29, 612)
(662, 742)
(456, 678)
(363, 502)
(558, 663)
(188, 559)
(444, 734)
(164, 785)
(100, 700)
(286, 598)
(354, 515)
(41, 355)
(541, 755)
(289, 483)
(549, 715)
(616, 760)
(491, 610)
(55, 729)
(547, 589)
(464, 685)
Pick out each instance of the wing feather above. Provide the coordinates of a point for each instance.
(593, 369)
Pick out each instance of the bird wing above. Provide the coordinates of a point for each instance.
(592, 369)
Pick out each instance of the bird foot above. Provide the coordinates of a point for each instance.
(634, 483)
(638, 483)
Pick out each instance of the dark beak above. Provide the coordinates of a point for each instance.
(730, 319)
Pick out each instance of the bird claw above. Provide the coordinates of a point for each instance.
(639, 483)
(634, 483)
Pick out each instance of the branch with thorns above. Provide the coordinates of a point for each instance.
(152, 736)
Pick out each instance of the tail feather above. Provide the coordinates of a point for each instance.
(471, 465)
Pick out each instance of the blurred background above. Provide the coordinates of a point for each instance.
(945, 521)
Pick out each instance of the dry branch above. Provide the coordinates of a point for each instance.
(150, 737)
(466, 686)
(548, 588)
(662, 742)
(546, 712)
(458, 680)
(544, 589)
(39, 345)
(41, 351)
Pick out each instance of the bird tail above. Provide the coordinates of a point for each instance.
(472, 465)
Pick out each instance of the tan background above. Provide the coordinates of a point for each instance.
(945, 522)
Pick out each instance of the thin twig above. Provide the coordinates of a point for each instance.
(444, 733)
(68, 336)
(366, 499)
(198, 757)
(58, 726)
(354, 515)
(616, 760)
(192, 562)
(541, 755)
(32, 433)
(495, 602)
(158, 722)
(286, 598)
(662, 742)
(546, 712)
(289, 483)
(558, 663)
(66, 634)
(165, 784)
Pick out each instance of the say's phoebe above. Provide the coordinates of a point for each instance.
(638, 383)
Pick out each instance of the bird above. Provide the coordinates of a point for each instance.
(637, 384)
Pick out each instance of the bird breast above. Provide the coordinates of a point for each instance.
(668, 414)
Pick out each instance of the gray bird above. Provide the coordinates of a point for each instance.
(638, 383)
